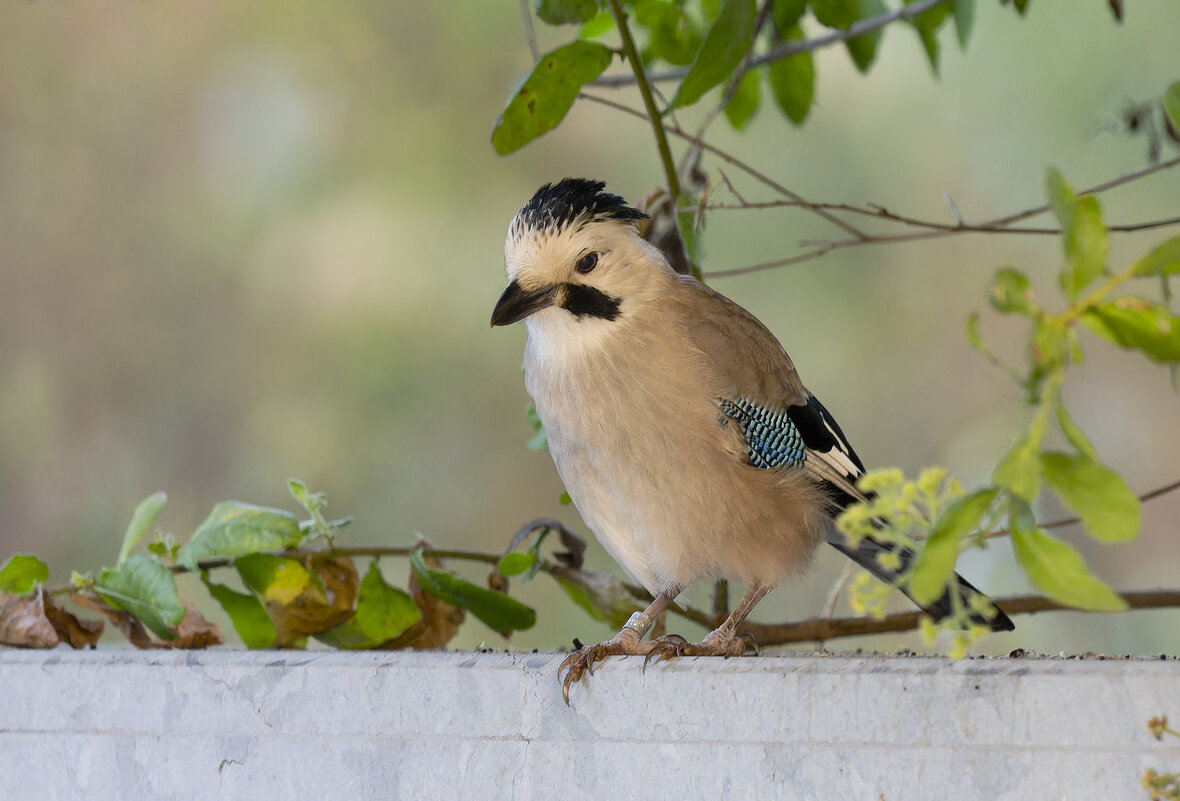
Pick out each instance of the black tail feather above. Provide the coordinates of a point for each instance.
(866, 553)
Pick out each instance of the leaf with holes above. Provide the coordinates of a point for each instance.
(547, 94)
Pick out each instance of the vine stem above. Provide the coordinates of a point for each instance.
(649, 102)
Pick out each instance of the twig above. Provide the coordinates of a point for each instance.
(791, 48)
(961, 226)
(741, 165)
(934, 231)
(530, 33)
(819, 629)
(1069, 521)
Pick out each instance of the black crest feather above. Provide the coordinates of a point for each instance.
(574, 200)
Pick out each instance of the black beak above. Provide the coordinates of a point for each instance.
(517, 304)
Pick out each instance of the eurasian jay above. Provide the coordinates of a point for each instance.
(676, 420)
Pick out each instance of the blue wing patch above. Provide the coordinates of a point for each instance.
(772, 439)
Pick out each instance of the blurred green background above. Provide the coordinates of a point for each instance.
(246, 241)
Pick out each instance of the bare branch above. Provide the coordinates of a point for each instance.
(936, 231)
(741, 165)
(820, 629)
(1070, 521)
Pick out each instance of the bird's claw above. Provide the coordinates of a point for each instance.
(673, 646)
(582, 661)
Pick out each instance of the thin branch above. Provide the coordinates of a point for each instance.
(649, 103)
(530, 33)
(792, 48)
(881, 213)
(736, 162)
(934, 232)
(1070, 521)
(820, 629)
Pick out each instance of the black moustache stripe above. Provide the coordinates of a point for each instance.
(586, 301)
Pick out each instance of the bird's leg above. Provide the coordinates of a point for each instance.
(721, 641)
(626, 642)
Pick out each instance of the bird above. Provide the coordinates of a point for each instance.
(676, 420)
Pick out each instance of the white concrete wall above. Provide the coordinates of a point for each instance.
(123, 724)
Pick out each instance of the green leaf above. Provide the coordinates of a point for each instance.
(141, 523)
(927, 24)
(863, 48)
(673, 37)
(793, 82)
(936, 563)
(235, 528)
(543, 98)
(745, 101)
(146, 589)
(597, 26)
(246, 613)
(1074, 434)
(499, 611)
(21, 573)
(1095, 493)
(786, 14)
(835, 13)
(1020, 469)
(1139, 324)
(514, 562)
(690, 234)
(1021, 6)
(1011, 292)
(724, 47)
(1056, 568)
(1061, 197)
(539, 441)
(964, 11)
(563, 12)
(1087, 244)
(382, 613)
(564, 499)
(1164, 260)
(1172, 104)
(277, 579)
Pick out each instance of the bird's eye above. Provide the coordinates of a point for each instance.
(587, 263)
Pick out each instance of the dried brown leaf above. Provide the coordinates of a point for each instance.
(76, 631)
(314, 611)
(195, 631)
(440, 621)
(125, 622)
(23, 622)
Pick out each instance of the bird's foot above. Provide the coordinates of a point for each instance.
(717, 643)
(582, 661)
